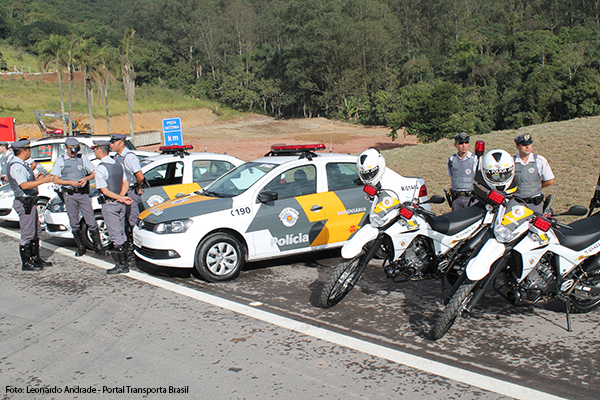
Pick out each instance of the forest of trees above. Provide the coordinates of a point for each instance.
(434, 67)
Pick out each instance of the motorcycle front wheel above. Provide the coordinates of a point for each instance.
(452, 311)
(342, 280)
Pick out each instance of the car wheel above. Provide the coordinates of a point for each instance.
(220, 257)
(104, 237)
(41, 208)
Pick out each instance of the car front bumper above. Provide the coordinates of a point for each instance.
(57, 224)
(164, 250)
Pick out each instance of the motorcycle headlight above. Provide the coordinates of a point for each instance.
(178, 226)
(504, 234)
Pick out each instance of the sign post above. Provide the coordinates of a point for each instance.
(172, 132)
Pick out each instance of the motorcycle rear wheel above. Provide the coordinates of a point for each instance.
(453, 310)
(342, 280)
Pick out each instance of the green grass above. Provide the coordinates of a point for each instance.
(571, 147)
(20, 60)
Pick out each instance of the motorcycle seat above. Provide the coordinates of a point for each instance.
(455, 221)
(585, 232)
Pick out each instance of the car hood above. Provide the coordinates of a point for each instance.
(185, 207)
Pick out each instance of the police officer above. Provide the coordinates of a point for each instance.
(5, 155)
(24, 185)
(461, 168)
(532, 173)
(73, 171)
(112, 182)
(135, 177)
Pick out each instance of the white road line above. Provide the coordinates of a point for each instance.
(420, 363)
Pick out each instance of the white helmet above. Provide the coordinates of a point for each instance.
(370, 166)
(498, 169)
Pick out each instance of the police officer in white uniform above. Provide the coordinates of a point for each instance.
(135, 177)
(73, 171)
(461, 168)
(25, 187)
(532, 173)
(112, 182)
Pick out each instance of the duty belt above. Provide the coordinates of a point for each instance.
(72, 191)
(535, 200)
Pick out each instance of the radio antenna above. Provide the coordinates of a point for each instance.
(330, 136)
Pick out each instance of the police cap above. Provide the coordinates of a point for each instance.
(101, 143)
(524, 139)
(117, 136)
(462, 137)
(72, 142)
(20, 144)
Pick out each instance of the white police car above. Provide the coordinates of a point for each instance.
(289, 202)
(173, 173)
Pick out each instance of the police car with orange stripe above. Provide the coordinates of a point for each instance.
(291, 201)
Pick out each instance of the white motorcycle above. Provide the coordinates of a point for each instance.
(541, 258)
(414, 242)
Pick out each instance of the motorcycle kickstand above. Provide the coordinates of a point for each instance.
(568, 312)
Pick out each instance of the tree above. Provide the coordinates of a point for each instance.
(54, 50)
(108, 68)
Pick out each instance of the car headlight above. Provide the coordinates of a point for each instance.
(55, 205)
(5, 194)
(178, 226)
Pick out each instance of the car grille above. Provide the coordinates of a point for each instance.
(155, 253)
(55, 228)
(148, 226)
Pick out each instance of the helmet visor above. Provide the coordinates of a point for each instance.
(367, 176)
(498, 175)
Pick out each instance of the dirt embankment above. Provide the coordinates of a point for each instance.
(251, 136)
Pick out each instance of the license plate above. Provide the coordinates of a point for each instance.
(137, 240)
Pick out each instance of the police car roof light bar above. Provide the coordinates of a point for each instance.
(175, 149)
(295, 148)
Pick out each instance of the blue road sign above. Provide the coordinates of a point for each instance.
(172, 132)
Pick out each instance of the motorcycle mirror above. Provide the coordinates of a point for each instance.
(435, 199)
(575, 210)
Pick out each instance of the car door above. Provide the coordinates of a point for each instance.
(346, 205)
(162, 178)
(293, 221)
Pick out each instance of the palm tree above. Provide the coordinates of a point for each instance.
(88, 57)
(54, 51)
(72, 61)
(128, 74)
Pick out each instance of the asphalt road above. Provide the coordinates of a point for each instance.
(262, 336)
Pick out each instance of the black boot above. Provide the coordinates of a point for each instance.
(79, 241)
(28, 265)
(129, 243)
(95, 233)
(35, 254)
(122, 264)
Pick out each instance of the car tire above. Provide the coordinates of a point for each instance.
(220, 257)
(87, 237)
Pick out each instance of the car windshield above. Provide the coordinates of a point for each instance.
(238, 180)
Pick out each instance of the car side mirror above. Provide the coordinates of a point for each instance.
(267, 196)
